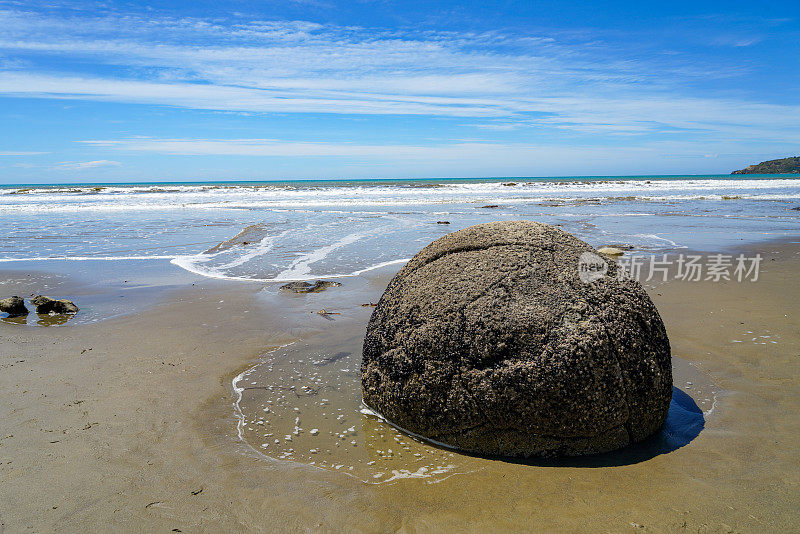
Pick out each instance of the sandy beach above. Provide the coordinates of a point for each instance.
(442, 266)
(133, 423)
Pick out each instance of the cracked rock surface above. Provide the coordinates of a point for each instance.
(488, 341)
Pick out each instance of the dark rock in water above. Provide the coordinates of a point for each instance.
(250, 234)
(489, 341)
(297, 287)
(796, 209)
(442, 222)
(13, 306)
(322, 285)
(510, 184)
(305, 287)
(45, 305)
(490, 206)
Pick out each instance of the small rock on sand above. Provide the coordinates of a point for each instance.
(305, 287)
(610, 251)
(13, 306)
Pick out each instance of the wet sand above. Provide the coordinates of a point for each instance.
(133, 423)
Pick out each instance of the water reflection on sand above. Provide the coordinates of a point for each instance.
(302, 403)
(43, 319)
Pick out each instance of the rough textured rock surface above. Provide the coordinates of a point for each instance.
(45, 305)
(488, 341)
(14, 306)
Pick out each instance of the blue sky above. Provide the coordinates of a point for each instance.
(305, 89)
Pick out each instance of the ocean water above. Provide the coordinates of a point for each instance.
(306, 230)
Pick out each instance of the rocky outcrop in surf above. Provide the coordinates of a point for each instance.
(489, 341)
(13, 306)
(250, 234)
(46, 305)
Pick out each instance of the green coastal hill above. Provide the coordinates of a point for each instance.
(775, 166)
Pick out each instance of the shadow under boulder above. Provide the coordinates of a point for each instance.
(685, 420)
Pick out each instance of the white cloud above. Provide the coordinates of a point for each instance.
(468, 150)
(450, 159)
(601, 115)
(455, 159)
(278, 148)
(231, 98)
(532, 81)
(81, 165)
(497, 126)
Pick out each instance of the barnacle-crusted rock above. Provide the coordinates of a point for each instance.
(489, 341)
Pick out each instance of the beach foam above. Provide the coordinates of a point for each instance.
(401, 193)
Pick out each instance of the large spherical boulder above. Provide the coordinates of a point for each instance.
(490, 340)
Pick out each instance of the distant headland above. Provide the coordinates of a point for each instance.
(774, 166)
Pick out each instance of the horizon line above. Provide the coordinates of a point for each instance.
(488, 178)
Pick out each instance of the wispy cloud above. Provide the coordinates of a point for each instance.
(305, 67)
(280, 148)
(635, 114)
(501, 81)
(737, 41)
(455, 158)
(497, 126)
(232, 98)
(462, 158)
(82, 165)
(467, 150)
